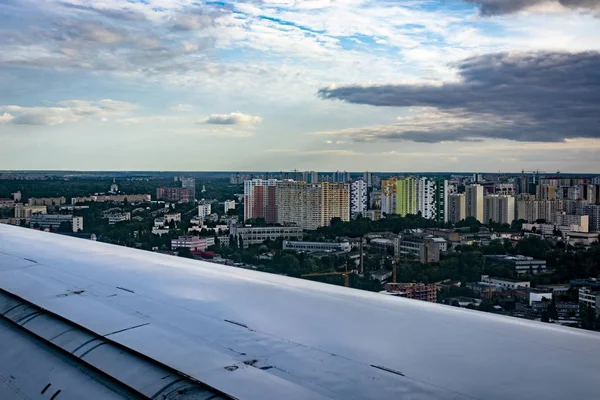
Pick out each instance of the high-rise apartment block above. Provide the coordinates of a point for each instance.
(545, 192)
(499, 209)
(368, 178)
(310, 176)
(259, 199)
(190, 185)
(175, 194)
(389, 187)
(204, 209)
(534, 210)
(340, 177)
(406, 196)
(457, 207)
(432, 199)
(358, 198)
(593, 213)
(311, 206)
(474, 202)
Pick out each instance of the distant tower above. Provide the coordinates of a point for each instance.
(203, 189)
(114, 188)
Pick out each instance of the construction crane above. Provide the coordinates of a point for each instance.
(345, 274)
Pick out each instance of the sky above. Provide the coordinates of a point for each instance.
(356, 85)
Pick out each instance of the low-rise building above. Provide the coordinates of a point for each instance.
(373, 215)
(7, 203)
(483, 290)
(505, 282)
(248, 235)
(112, 198)
(311, 247)
(118, 217)
(173, 217)
(47, 201)
(53, 221)
(589, 297)
(25, 212)
(194, 243)
(416, 291)
(160, 231)
(520, 264)
(425, 249)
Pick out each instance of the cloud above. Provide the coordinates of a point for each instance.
(234, 118)
(182, 108)
(536, 97)
(315, 152)
(65, 111)
(500, 7)
(146, 120)
(223, 131)
(5, 118)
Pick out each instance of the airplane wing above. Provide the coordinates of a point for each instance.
(135, 324)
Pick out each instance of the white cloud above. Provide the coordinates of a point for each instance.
(5, 118)
(66, 111)
(234, 118)
(181, 108)
(223, 132)
(147, 119)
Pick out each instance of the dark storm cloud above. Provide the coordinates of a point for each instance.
(541, 96)
(500, 7)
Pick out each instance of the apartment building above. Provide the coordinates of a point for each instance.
(406, 196)
(25, 211)
(474, 202)
(311, 206)
(457, 207)
(358, 198)
(432, 199)
(499, 209)
(259, 199)
(389, 187)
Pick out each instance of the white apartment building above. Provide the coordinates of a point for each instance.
(432, 198)
(228, 205)
(499, 209)
(358, 198)
(474, 202)
(533, 210)
(204, 209)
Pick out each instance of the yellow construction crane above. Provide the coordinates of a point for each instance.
(345, 274)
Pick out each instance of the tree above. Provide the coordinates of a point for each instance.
(65, 226)
(185, 252)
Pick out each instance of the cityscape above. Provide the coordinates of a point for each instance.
(523, 244)
(299, 199)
